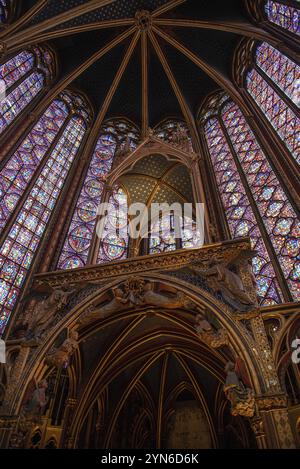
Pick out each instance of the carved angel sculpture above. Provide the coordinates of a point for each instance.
(40, 318)
(157, 299)
(220, 278)
(118, 303)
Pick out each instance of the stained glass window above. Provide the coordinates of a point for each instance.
(285, 16)
(76, 248)
(285, 74)
(281, 70)
(238, 210)
(114, 134)
(22, 78)
(23, 239)
(253, 197)
(174, 132)
(162, 237)
(20, 168)
(114, 242)
(276, 212)
(4, 10)
(163, 234)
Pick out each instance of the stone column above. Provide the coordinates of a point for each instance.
(275, 421)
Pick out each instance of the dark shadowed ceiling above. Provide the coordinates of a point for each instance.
(215, 47)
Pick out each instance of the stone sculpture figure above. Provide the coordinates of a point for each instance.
(180, 300)
(118, 303)
(60, 357)
(239, 395)
(208, 334)
(35, 402)
(40, 318)
(134, 293)
(220, 278)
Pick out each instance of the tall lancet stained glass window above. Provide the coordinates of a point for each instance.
(283, 15)
(21, 167)
(115, 135)
(21, 240)
(254, 201)
(114, 238)
(23, 77)
(274, 84)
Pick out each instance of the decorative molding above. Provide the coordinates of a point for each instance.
(226, 251)
(269, 402)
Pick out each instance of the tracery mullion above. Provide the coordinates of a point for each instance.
(276, 88)
(34, 178)
(96, 241)
(284, 96)
(273, 257)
